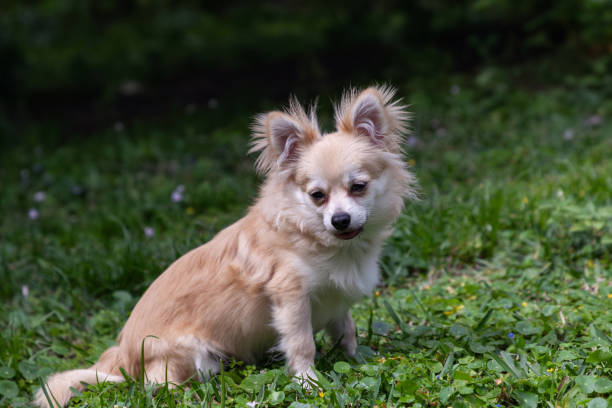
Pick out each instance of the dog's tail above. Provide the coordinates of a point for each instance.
(57, 389)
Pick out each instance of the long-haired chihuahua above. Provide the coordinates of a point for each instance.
(306, 250)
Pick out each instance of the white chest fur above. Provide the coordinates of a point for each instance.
(342, 279)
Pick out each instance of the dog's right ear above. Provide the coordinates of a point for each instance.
(280, 136)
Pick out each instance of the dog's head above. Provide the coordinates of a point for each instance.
(340, 184)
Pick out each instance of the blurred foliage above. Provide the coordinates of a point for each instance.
(103, 49)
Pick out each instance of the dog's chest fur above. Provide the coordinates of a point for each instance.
(345, 277)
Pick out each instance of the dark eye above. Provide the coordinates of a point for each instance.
(358, 187)
(317, 195)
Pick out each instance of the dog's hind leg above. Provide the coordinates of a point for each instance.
(197, 358)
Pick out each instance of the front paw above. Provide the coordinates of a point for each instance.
(306, 378)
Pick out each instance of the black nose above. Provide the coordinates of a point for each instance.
(341, 220)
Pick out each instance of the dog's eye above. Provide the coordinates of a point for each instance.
(358, 187)
(317, 195)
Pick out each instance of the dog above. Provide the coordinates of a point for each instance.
(305, 252)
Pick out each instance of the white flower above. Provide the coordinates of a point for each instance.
(33, 214)
(568, 134)
(149, 232)
(25, 291)
(39, 196)
(252, 404)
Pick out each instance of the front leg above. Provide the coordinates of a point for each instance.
(291, 318)
(344, 328)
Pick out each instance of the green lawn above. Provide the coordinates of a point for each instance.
(498, 283)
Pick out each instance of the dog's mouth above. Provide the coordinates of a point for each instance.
(350, 234)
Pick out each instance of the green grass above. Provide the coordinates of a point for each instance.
(497, 286)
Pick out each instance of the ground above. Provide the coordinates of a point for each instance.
(497, 284)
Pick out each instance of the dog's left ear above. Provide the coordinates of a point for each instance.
(373, 114)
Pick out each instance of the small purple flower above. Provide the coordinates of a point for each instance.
(33, 214)
(149, 232)
(593, 120)
(507, 306)
(176, 197)
(511, 335)
(498, 405)
(437, 377)
(39, 196)
(177, 194)
(413, 141)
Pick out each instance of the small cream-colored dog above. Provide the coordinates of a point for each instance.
(307, 249)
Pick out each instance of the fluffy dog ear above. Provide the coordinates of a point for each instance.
(280, 136)
(373, 114)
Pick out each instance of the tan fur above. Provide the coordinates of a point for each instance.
(279, 274)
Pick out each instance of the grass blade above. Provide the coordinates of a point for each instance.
(370, 321)
(222, 372)
(428, 315)
(448, 363)
(394, 316)
(484, 320)
(142, 362)
(47, 396)
(505, 360)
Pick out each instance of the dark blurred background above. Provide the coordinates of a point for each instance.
(87, 63)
